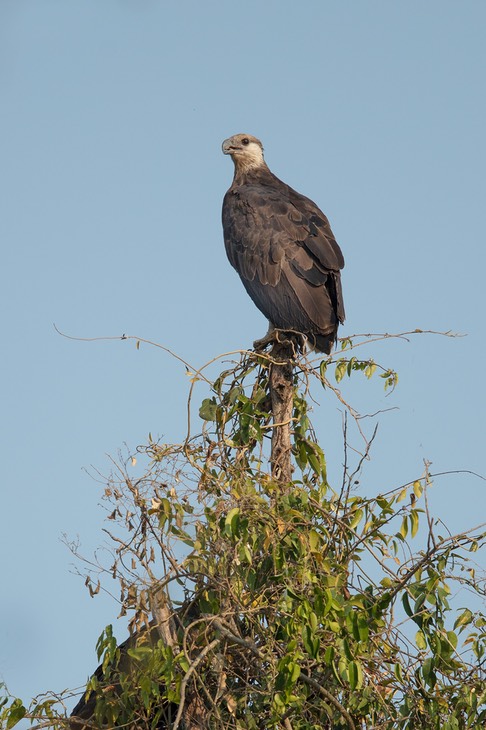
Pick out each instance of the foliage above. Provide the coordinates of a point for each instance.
(257, 605)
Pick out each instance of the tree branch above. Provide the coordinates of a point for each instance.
(281, 383)
(304, 677)
(185, 680)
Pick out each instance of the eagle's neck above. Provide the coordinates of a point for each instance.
(249, 168)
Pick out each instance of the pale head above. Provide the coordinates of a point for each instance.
(246, 151)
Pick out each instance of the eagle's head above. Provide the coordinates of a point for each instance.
(246, 151)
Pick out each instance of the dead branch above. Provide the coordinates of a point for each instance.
(281, 382)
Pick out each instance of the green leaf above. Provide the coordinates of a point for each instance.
(350, 366)
(232, 521)
(452, 639)
(340, 370)
(182, 661)
(428, 672)
(140, 652)
(245, 554)
(301, 455)
(294, 671)
(165, 506)
(418, 489)
(329, 655)
(314, 462)
(452, 723)
(464, 619)
(313, 621)
(356, 519)
(355, 674)
(311, 643)
(370, 369)
(363, 628)
(314, 540)
(406, 605)
(208, 409)
(347, 650)
(16, 713)
(420, 640)
(383, 503)
(414, 522)
(322, 370)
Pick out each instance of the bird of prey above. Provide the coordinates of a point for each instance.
(282, 247)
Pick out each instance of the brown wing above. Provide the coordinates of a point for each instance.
(283, 247)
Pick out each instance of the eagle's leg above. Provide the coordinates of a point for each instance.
(273, 335)
(262, 343)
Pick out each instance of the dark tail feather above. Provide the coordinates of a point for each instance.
(322, 343)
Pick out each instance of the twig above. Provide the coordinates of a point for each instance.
(304, 677)
(125, 337)
(186, 678)
(427, 555)
(329, 697)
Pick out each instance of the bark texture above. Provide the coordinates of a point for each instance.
(281, 393)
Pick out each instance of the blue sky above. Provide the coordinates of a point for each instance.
(112, 179)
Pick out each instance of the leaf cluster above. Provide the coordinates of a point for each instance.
(260, 605)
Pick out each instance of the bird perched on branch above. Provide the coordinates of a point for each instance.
(283, 248)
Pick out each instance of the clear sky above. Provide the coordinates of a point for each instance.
(112, 177)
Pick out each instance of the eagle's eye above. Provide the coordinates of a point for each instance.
(245, 140)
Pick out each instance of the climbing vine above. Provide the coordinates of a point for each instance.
(257, 603)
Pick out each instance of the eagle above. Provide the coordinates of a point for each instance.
(283, 248)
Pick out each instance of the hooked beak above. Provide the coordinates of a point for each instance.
(228, 147)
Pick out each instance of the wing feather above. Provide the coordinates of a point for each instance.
(283, 247)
